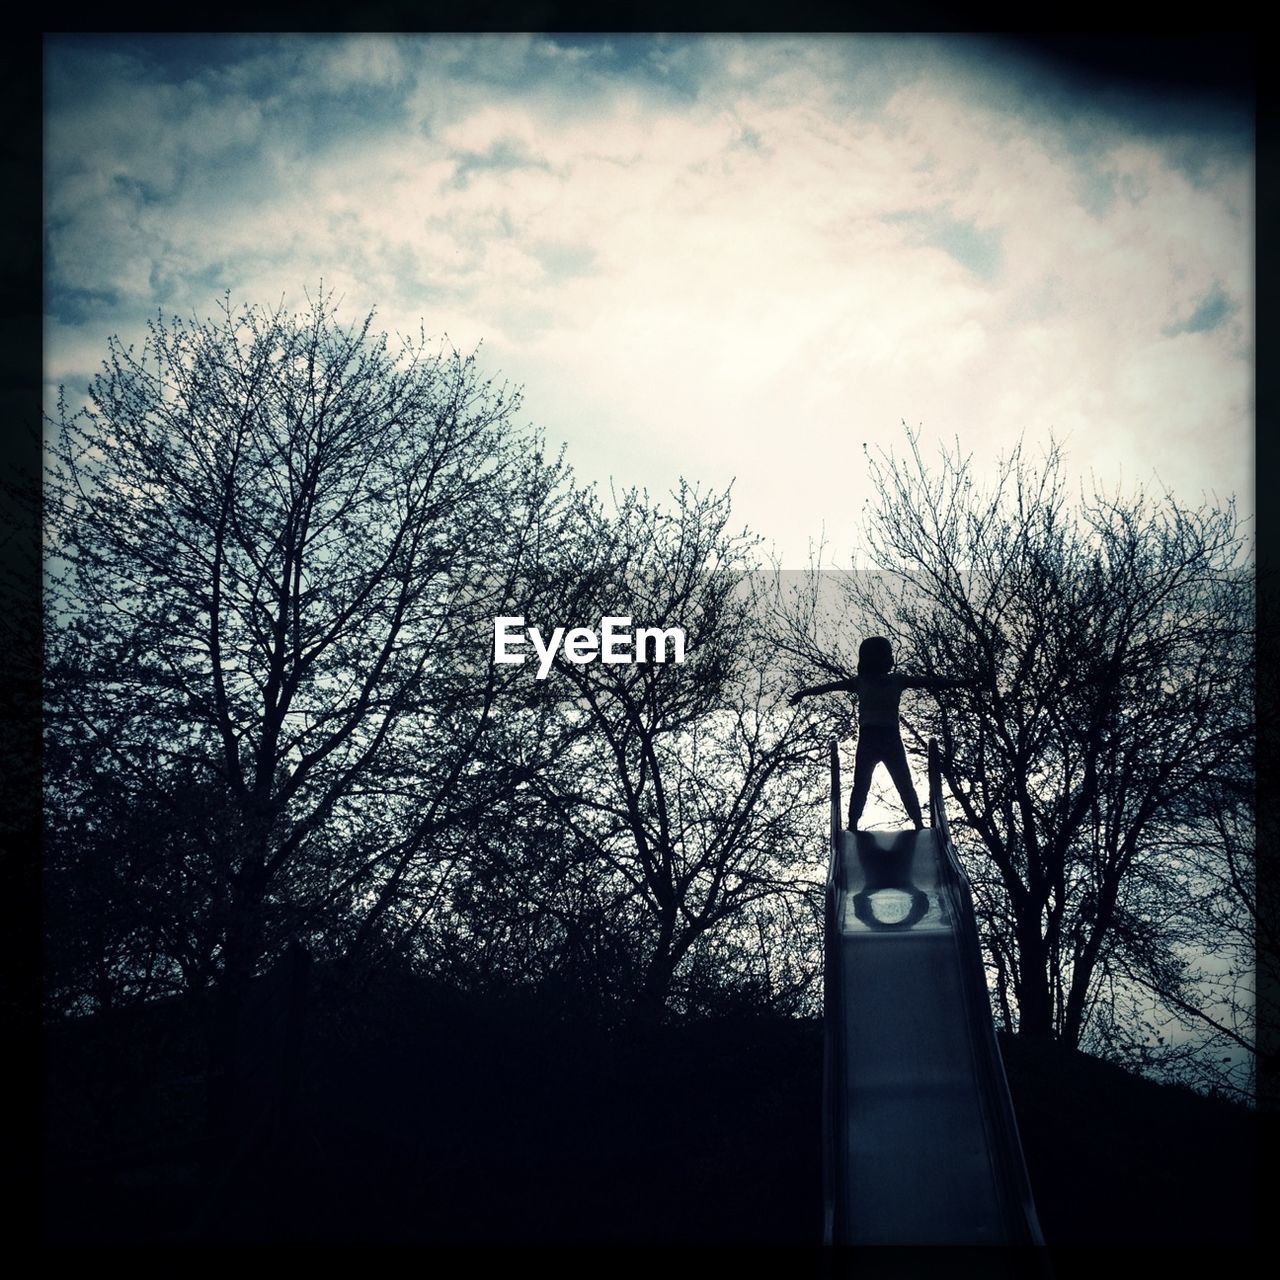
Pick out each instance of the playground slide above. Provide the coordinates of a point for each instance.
(921, 1145)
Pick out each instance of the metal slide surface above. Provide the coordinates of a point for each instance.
(921, 1142)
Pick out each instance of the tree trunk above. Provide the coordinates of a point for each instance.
(652, 1000)
(242, 949)
(1034, 993)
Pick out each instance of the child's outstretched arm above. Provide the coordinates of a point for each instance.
(830, 687)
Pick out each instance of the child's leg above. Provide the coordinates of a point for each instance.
(864, 765)
(895, 759)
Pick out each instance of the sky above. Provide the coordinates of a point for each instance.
(734, 259)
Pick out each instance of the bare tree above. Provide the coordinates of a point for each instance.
(653, 818)
(272, 541)
(692, 797)
(1119, 631)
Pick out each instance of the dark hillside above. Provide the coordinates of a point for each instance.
(1117, 1159)
(423, 1118)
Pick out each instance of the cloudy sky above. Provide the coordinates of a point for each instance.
(727, 258)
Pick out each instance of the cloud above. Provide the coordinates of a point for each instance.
(723, 256)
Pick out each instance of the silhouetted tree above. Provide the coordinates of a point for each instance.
(691, 799)
(1119, 633)
(131, 884)
(272, 545)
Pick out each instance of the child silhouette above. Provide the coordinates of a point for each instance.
(878, 690)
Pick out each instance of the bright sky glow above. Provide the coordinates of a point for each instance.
(728, 258)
